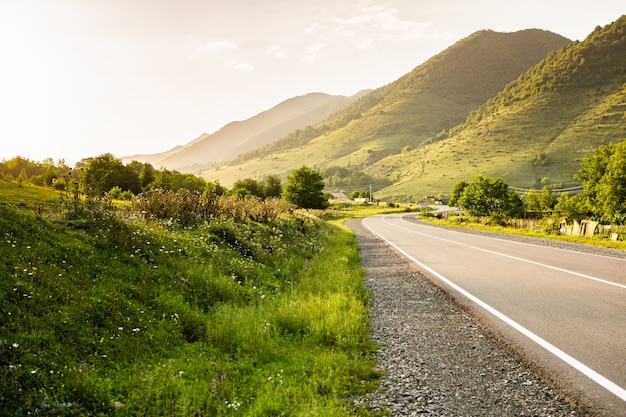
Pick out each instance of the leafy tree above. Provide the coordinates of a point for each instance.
(101, 173)
(215, 189)
(44, 173)
(456, 193)
(603, 177)
(273, 186)
(174, 180)
(304, 188)
(248, 186)
(147, 175)
(571, 207)
(187, 182)
(127, 179)
(490, 197)
(540, 201)
(336, 176)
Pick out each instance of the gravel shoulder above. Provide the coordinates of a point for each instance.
(437, 359)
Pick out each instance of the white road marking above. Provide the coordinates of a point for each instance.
(567, 271)
(579, 366)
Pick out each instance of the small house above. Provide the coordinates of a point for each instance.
(338, 196)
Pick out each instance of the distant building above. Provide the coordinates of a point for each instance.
(339, 196)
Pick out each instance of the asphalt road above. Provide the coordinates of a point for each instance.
(562, 311)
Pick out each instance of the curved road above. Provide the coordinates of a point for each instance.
(563, 311)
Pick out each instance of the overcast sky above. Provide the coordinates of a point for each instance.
(79, 78)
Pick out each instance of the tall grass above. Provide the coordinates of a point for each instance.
(133, 317)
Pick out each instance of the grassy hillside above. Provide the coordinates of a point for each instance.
(435, 96)
(110, 314)
(242, 136)
(533, 133)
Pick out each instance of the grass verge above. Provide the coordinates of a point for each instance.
(461, 221)
(121, 316)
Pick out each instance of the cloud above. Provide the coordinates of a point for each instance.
(205, 49)
(275, 51)
(379, 22)
(313, 52)
(221, 45)
(223, 52)
(365, 44)
(242, 66)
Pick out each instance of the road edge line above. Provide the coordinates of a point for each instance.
(579, 366)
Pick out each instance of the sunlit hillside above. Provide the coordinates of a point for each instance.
(533, 133)
(435, 96)
(238, 137)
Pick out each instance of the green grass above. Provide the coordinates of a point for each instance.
(27, 195)
(339, 212)
(461, 221)
(121, 316)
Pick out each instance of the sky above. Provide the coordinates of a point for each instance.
(79, 78)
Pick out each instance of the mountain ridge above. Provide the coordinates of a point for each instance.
(435, 96)
(240, 136)
(537, 130)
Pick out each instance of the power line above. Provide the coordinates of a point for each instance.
(556, 190)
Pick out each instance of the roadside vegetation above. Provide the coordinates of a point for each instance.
(490, 203)
(176, 302)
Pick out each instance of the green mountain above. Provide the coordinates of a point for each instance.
(432, 98)
(535, 131)
(242, 136)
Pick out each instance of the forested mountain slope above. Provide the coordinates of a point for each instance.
(536, 131)
(434, 97)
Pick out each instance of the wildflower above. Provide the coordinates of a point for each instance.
(15, 345)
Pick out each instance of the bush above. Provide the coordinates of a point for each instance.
(190, 207)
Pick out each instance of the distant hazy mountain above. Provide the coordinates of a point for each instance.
(243, 136)
(537, 130)
(432, 98)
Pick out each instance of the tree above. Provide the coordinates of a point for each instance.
(490, 197)
(248, 186)
(456, 193)
(603, 177)
(273, 186)
(304, 188)
(214, 189)
(101, 173)
(540, 201)
(571, 207)
(147, 175)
